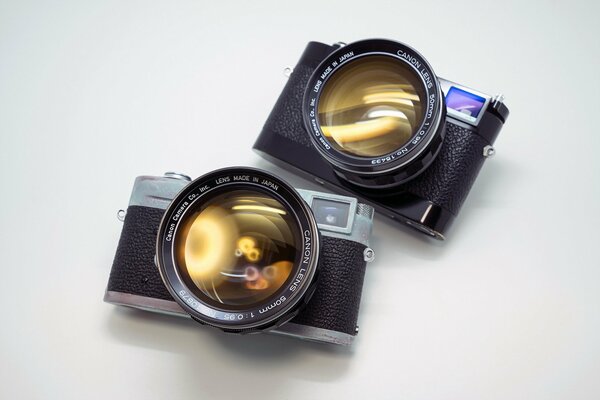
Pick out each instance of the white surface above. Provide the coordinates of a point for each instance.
(92, 95)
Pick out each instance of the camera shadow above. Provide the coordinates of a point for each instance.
(409, 243)
(495, 179)
(406, 240)
(195, 343)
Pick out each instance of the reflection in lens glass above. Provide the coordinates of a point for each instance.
(372, 106)
(239, 248)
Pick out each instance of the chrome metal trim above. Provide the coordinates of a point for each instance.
(360, 217)
(489, 151)
(159, 191)
(177, 175)
(369, 255)
(313, 334)
(365, 210)
(420, 227)
(155, 191)
(499, 98)
(309, 196)
(170, 307)
(144, 303)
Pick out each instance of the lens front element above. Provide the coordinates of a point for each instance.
(238, 248)
(371, 106)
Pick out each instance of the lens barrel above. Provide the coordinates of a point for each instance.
(238, 249)
(374, 110)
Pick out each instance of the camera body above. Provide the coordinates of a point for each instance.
(427, 191)
(328, 313)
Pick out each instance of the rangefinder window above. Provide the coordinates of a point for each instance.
(331, 213)
(372, 106)
(238, 249)
(467, 104)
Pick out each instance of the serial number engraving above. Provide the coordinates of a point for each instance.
(196, 305)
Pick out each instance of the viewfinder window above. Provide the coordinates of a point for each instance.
(469, 105)
(331, 213)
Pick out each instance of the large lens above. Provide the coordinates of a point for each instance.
(371, 106)
(238, 248)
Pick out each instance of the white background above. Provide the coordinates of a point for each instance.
(93, 94)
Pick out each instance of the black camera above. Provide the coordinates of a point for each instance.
(373, 120)
(241, 250)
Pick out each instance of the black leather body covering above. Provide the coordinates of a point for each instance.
(446, 182)
(333, 306)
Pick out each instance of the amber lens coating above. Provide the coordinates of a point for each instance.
(372, 106)
(239, 248)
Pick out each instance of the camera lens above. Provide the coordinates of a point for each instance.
(371, 106)
(374, 110)
(238, 248)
